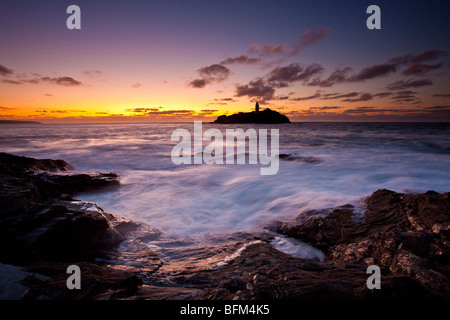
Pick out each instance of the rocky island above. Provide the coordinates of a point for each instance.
(266, 116)
(44, 229)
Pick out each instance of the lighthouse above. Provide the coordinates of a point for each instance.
(257, 107)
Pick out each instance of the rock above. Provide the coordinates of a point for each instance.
(406, 234)
(98, 283)
(265, 116)
(44, 229)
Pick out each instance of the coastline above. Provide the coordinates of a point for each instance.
(44, 229)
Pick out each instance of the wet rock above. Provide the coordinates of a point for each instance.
(43, 228)
(98, 283)
(407, 234)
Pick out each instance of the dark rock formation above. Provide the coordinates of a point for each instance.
(45, 230)
(408, 235)
(265, 116)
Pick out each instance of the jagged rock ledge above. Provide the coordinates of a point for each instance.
(44, 229)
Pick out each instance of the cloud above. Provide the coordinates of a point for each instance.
(383, 94)
(62, 81)
(48, 95)
(281, 76)
(5, 71)
(198, 83)
(338, 76)
(406, 96)
(362, 97)
(374, 71)
(416, 69)
(442, 95)
(11, 81)
(413, 62)
(242, 59)
(256, 88)
(312, 36)
(314, 96)
(438, 108)
(215, 72)
(136, 85)
(365, 110)
(93, 73)
(429, 55)
(308, 38)
(402, 85)
(210, 74)
(326, 108)
(268, 49)
(330, 96)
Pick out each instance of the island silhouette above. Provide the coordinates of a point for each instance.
(265, 116)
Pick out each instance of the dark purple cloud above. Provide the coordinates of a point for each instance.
(442, 95)
(414, 66)
(429, 55)
(314, 96)
(281, 76)
(210, 74)
(312, 36)
(374, 71)
(338, 76)
(362, 97)
(330, 96)
(8, 81)
(198, 83)
(402, 85)
(5, 71)
(242, 59)
(268, 49)
(417, 69)
(406, 96)
(215, 72)
(257, 89)
(62, 81)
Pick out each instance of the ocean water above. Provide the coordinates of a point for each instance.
(329, 164)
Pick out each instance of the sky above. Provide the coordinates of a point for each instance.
(170, 60)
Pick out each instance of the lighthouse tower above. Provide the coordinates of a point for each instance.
(257, 107)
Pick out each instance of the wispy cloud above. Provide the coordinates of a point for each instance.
(281, 76)
(256, 89)
(402, 84)
(5, 71)
(314, 96)
(329, 96)
(210, 74)
(61, 81)
(312, 36)
(242, 59)
(93, 73)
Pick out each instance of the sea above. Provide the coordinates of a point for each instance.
(323, 165)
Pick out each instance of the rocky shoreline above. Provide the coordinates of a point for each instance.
(44, 229)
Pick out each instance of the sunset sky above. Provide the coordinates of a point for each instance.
(191, 60)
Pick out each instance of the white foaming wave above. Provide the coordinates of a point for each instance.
(355, 160)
